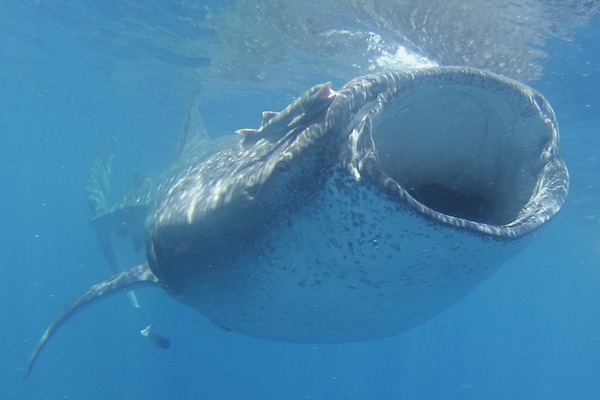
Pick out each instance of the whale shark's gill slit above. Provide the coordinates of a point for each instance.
(488, 175)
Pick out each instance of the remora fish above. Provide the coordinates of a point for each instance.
(357, 219)
(159, 340)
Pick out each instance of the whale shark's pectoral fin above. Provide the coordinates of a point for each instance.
(135, 277)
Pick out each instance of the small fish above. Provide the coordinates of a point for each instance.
(303, 110)
(160, 341)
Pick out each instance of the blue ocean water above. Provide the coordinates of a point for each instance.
(74, 74)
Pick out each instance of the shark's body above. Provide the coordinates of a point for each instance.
(352, 215)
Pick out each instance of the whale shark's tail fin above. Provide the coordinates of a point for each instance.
(135, 277)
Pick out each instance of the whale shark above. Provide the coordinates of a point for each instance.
(351, 215)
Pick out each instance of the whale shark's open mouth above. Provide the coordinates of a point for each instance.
(477, 179)
(468, 154)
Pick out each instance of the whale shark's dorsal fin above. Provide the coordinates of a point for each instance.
(135, 277)
(193, 129)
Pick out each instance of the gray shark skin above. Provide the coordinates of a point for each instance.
(354, 215)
